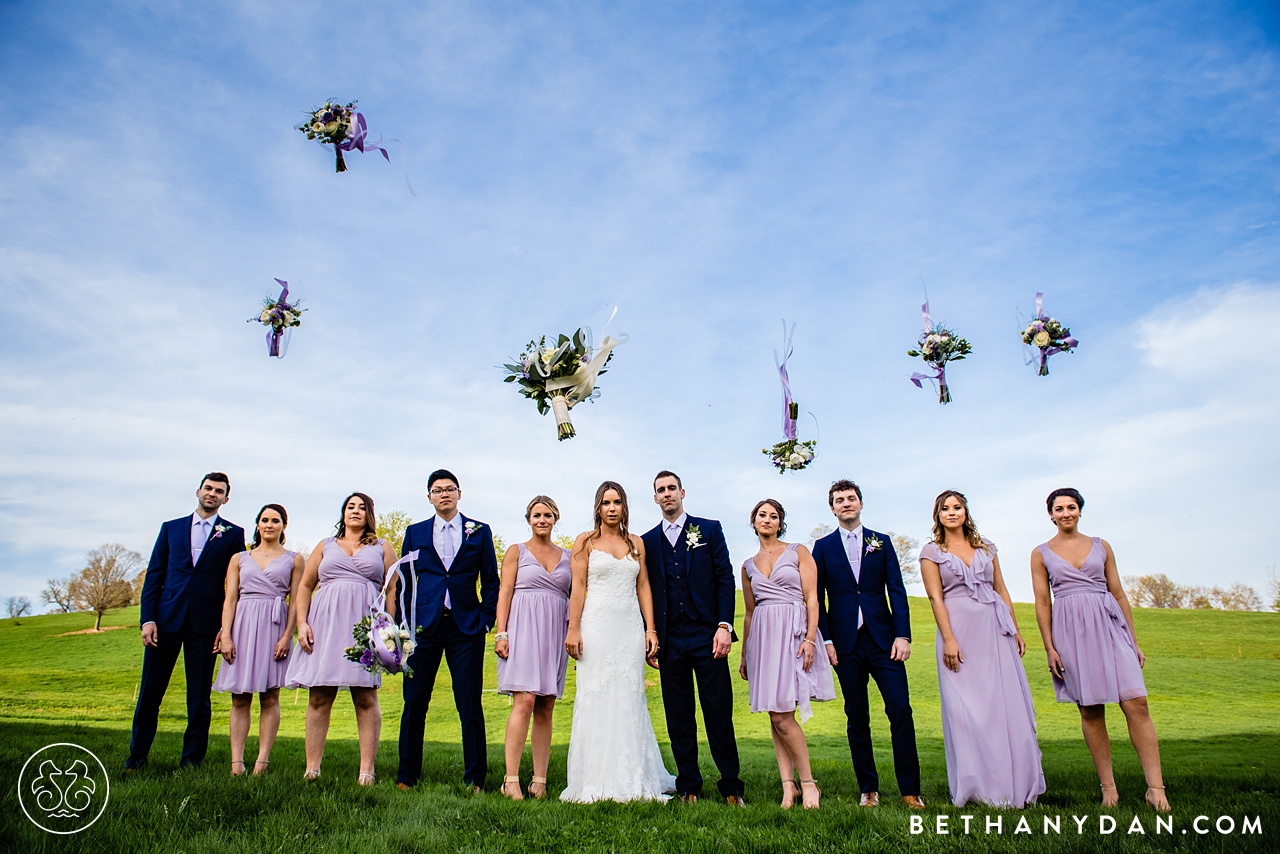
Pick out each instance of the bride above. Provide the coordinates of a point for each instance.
(613, 753)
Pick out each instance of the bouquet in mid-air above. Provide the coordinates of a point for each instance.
(381, 645)
(279, 316)
(343, 127)
(1048, 336)
(791, 454)
(561, 375)
(937, 346)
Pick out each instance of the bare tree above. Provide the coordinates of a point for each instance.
(1239, 597)
(391, 527)
(1273, 588)
(817, 534)
(17, 606)
(1155, 591)
(57, 593)
(907, 548)
(1200, 597)
(107, 581)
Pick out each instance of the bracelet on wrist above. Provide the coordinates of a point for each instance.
(651, 632)
(500, 636)
(806, 640)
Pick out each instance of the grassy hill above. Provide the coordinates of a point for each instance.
(1213, 677)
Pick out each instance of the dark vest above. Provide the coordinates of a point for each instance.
(679, 600)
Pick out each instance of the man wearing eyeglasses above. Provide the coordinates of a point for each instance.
(454, 552)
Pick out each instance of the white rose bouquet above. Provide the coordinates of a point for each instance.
(1048, 336)
(559, 376)
(381, 646)
(791, 454)
(937, 346)
(279, 316)
(331, 125)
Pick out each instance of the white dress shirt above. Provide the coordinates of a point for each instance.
(447, 550)
(201, 530)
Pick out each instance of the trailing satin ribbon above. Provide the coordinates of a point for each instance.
(944, 394)
(277, 342)
(389, 656)
(789, 409)
(360, 141)
(1046, 352)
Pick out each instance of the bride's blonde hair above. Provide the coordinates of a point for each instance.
(622, 522)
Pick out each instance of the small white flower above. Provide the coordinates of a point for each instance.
(407, 646)
(1041, 339)
(796, 460)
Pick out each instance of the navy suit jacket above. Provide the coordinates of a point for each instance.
(475, 560)
(175, 589)
(710, 574)
(839, 595)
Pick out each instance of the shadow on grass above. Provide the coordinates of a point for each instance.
(164, 809)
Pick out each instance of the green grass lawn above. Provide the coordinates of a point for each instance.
(1213, 677)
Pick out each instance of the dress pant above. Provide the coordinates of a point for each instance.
(465, 656)
(868, 660)
(686, 653)
(198, 661)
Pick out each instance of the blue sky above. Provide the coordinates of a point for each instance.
(709, 169)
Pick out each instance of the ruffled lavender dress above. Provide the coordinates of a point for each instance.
(261, 615)
(348, 586)
(536, 659)
(1099, 658)
(776, 679)
(988, 721)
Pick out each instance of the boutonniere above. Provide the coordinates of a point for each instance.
(873, 544)
(219, 530)
(470, 528)
(693, 537)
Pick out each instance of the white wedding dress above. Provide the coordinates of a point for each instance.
(613, 753)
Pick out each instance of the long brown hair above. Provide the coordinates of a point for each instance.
(284, 517)
(370, 533)
(622, 522)
(969, 527)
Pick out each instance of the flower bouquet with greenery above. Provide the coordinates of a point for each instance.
(1048, 336)
(381, 646)
(279, 316)
(937, 346)
(791, 454)
(331, 125)
(559, 376)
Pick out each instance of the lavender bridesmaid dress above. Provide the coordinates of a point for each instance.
(536, 659)
(1099, 658)
(988, 721)
(261, 615)
(348, 586)
(776, 680)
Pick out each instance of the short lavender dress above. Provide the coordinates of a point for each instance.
(776, 680)
(536, 658)
(261, 616)
(348, 586)
(988, 721)
(1099, 658)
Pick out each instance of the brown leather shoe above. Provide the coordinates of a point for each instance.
(687, 798)
(404, 787)
(735, 801)
(913, 802)
(869, 799)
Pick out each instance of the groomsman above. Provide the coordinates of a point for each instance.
(454, 552)
(181, 602)
(693, 601)
(867, 636)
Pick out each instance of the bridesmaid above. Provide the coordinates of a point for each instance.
(533, 616)
(780, 642)
(349, 569)
(1088, 636)
(988, 721)
(255, 651)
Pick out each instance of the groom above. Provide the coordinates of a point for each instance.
(693, 601)
(453, 553)
(181, 603)
(867, 637)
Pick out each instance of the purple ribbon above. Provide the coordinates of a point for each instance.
(275, 336)
(360, 141)
(788, 420)
(1046, 352)
(941, 375)
(390, 655)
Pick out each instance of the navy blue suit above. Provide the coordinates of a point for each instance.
(457, 633)
(693, 592)
(864, 653)
(184, 600)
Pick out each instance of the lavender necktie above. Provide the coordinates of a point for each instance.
(855, 564)
(446, 557)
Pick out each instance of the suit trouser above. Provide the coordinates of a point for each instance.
(198, 661)
(686, 654)
(867, 659)
(465, 656)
